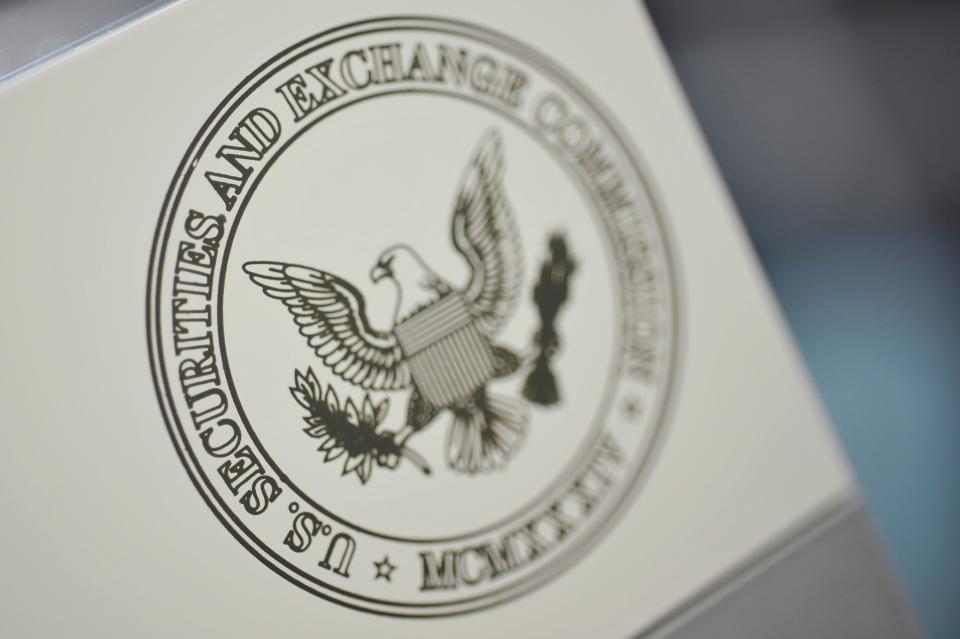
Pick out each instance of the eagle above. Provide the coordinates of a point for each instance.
(441, 342)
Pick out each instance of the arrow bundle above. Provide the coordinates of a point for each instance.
(549, 295)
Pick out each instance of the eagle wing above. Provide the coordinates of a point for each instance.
(485, 233)
(331, 314)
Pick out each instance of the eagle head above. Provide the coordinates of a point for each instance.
(417, 284)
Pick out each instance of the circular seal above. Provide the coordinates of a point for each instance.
(413, 321)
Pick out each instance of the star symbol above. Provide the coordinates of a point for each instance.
(631, 408)
(384, 568)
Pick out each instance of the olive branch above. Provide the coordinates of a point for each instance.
(348, 429)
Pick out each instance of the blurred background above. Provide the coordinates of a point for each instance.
(835, 125)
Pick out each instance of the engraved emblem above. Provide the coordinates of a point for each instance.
(413, 318)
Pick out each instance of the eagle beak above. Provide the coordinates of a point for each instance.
(380, 271)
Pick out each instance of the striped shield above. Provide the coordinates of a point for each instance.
(449, 357)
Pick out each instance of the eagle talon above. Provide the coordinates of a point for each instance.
(401, 436)
(388, 460)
